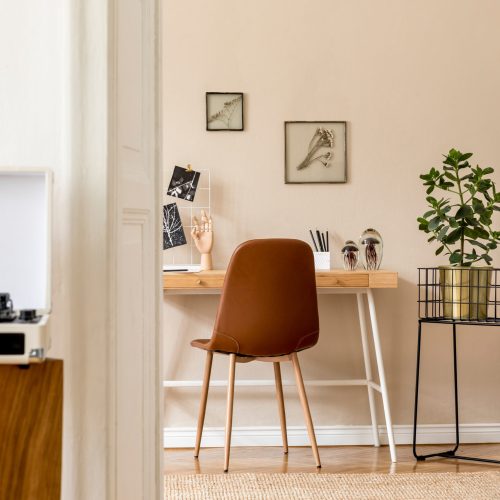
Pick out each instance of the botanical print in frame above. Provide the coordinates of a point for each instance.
(315, 152)
(224, 111)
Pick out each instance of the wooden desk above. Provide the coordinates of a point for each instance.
(361, 283)
(325, 280)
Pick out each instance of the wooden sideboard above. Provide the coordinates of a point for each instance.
(31, 431)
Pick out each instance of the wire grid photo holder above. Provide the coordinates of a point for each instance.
(188, 255)
(466, 295)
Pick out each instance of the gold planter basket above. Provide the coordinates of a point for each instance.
(465, 292)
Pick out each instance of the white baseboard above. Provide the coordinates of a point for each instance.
(184, 437)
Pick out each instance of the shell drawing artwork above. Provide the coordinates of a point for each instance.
(224, 115)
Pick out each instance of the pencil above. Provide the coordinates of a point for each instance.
(324, 242)
(315, 246)
(319, 241)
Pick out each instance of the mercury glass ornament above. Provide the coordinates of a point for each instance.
(350, 255)
(371, 249)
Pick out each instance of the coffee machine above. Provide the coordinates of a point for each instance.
(25, 258)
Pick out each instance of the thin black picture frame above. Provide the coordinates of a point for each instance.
(207, 94)
(345, 152)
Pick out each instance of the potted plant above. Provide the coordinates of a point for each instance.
(461, 224)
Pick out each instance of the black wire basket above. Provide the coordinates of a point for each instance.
(459, 294)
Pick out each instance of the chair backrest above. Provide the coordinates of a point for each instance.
(269, 304)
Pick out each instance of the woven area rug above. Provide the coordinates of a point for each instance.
(450, 485)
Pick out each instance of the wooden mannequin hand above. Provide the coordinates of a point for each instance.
(203, 238)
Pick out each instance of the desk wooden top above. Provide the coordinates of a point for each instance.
(335, 278)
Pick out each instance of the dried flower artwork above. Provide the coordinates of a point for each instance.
(224, 111)
(173, 232)
(320, 148)
(315, 152)
(183, 183)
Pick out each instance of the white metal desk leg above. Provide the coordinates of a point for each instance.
(381, 374)
(368, 368)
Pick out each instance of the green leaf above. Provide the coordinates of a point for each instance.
(465, 156)
(455, 257)
(478, 244)
(487, 258)
(478, 206)
(428, 214)
(442, 233)
(470, 233)
(488, 170)
(440, 249)
(484, 219)
(429, 190)
(450, 176)
(432, 238)
(431, 200)
(463, 212)
(482, 233)
(434, 223)
(454, 236)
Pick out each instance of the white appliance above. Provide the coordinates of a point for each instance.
(25, 264)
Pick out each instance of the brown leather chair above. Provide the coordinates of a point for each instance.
(268, 312)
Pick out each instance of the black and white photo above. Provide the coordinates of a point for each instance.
(173, 232)
(183, 183)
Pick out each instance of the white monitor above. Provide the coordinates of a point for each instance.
(25, 233)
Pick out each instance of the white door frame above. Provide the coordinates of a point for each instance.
(112, 430)
(135, 251)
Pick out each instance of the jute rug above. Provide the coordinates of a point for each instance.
(449, 486)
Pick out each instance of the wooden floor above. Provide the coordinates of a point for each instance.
(335, 459)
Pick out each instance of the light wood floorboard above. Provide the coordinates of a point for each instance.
(334, 459)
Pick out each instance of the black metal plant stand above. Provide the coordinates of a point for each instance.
(432, 301)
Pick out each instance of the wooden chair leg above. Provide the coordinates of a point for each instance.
(203, 402)
(281, 404)
(305, 407)
(229, 413)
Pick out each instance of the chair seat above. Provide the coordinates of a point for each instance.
(200, 343)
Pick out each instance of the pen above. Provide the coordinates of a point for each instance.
(324, 242)
(327, 242)
(314, 241)
(174, 270)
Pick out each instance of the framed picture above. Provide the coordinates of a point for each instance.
(183, 183)
(315, 152)
(224, 111)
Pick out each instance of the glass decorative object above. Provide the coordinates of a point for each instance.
(350, 255)
(371, 249)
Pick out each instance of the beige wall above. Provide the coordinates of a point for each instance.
(412, 79)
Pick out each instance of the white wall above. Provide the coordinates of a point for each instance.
(41, 124)
(412, 79)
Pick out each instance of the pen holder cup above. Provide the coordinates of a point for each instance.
(322, 261)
